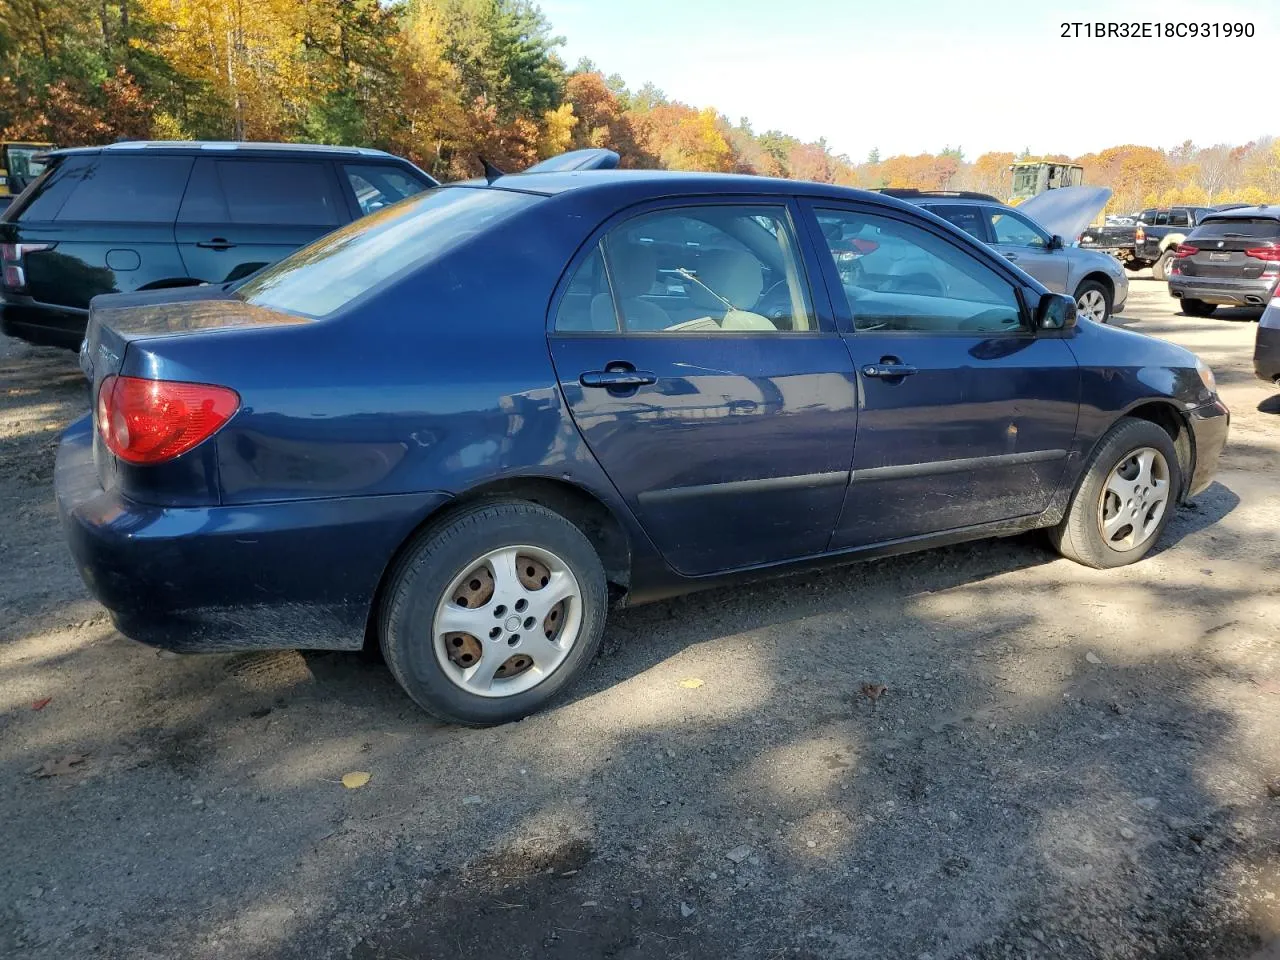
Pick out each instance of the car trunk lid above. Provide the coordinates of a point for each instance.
(1240, 249)
(117, 321)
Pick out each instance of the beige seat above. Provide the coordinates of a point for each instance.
(735, 276)
(633, 268)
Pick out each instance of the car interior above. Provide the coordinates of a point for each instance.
(689, 271)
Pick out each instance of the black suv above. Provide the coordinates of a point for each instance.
(143, 216)
(1232, 258)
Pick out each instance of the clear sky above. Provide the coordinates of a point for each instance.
(910, 76)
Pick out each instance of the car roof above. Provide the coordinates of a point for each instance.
(220, 147)
(638, 185)
(1263, 211)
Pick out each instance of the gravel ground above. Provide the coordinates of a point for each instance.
(1066, 763)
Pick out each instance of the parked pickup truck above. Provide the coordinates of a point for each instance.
(1156, 239)
(1151, 241)
(1115, 238)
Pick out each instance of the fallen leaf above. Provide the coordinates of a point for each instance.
(356, 779)
(691, 683)
(874, 691)
(56, 766)
(41, 703)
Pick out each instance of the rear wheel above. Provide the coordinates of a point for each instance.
(1124, 499)
(1197, 308)
(1160, 269)
(492, 614)
(1094, 301)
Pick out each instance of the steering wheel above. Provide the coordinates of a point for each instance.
(775, 303)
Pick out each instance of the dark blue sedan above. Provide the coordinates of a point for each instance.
(465, 424)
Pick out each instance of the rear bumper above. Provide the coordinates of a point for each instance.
(1266, 354)
(43, 324)
(290, 575)
(1209, 426)
(1224, 292)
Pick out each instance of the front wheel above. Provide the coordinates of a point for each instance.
(1125, 498)
(1197, 308)
(492, 614)
(1093, 300)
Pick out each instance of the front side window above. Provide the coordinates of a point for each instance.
(1008, 227)
(341, 266)
(703, 269)
(899, 277)
(379, 185)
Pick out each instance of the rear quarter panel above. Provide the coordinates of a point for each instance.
(441, 382)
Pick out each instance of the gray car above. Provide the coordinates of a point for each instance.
(1039, 237)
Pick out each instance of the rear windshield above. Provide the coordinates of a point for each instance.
(339, 267)
(1239, 227)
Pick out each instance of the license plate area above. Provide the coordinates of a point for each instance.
(1219, 258)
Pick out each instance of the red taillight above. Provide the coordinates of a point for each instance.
(15, 276)
(1186, 250)
(1139, 235)
(1270, 253)
(151, 421)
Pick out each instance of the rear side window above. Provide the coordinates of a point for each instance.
(328, 274)
(45, 195)
(1252, 228)
(378, 185)
(128, 188)
(967, 218)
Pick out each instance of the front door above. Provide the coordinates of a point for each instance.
(240, 214)
(1020, 241)
(718, 399)
(967, 415)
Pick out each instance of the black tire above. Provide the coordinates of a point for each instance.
(1078, 536)
(1197, 308)
(1160, 269)
(1133, 266)
(1094, 285)
(440, 554)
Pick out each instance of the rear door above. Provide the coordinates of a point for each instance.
(966, 415)
(709, 382)
(112, 231)
(1237, 249)
(242, 213)
(1020, 241)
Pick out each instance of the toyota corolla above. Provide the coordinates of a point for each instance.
(465, 425)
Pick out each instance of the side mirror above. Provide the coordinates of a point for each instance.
(1056, 311)
(1055, 242)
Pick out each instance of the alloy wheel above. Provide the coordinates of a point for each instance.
(507, 621)
(1093, 305)
(1134, 499)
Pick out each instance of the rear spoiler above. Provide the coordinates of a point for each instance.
(589, 159)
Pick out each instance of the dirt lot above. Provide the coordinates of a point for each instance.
(1066, 763)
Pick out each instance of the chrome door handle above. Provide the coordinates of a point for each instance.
(617, 379)
(888, 370)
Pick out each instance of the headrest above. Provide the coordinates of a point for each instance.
(633, 268)
(732, 274)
